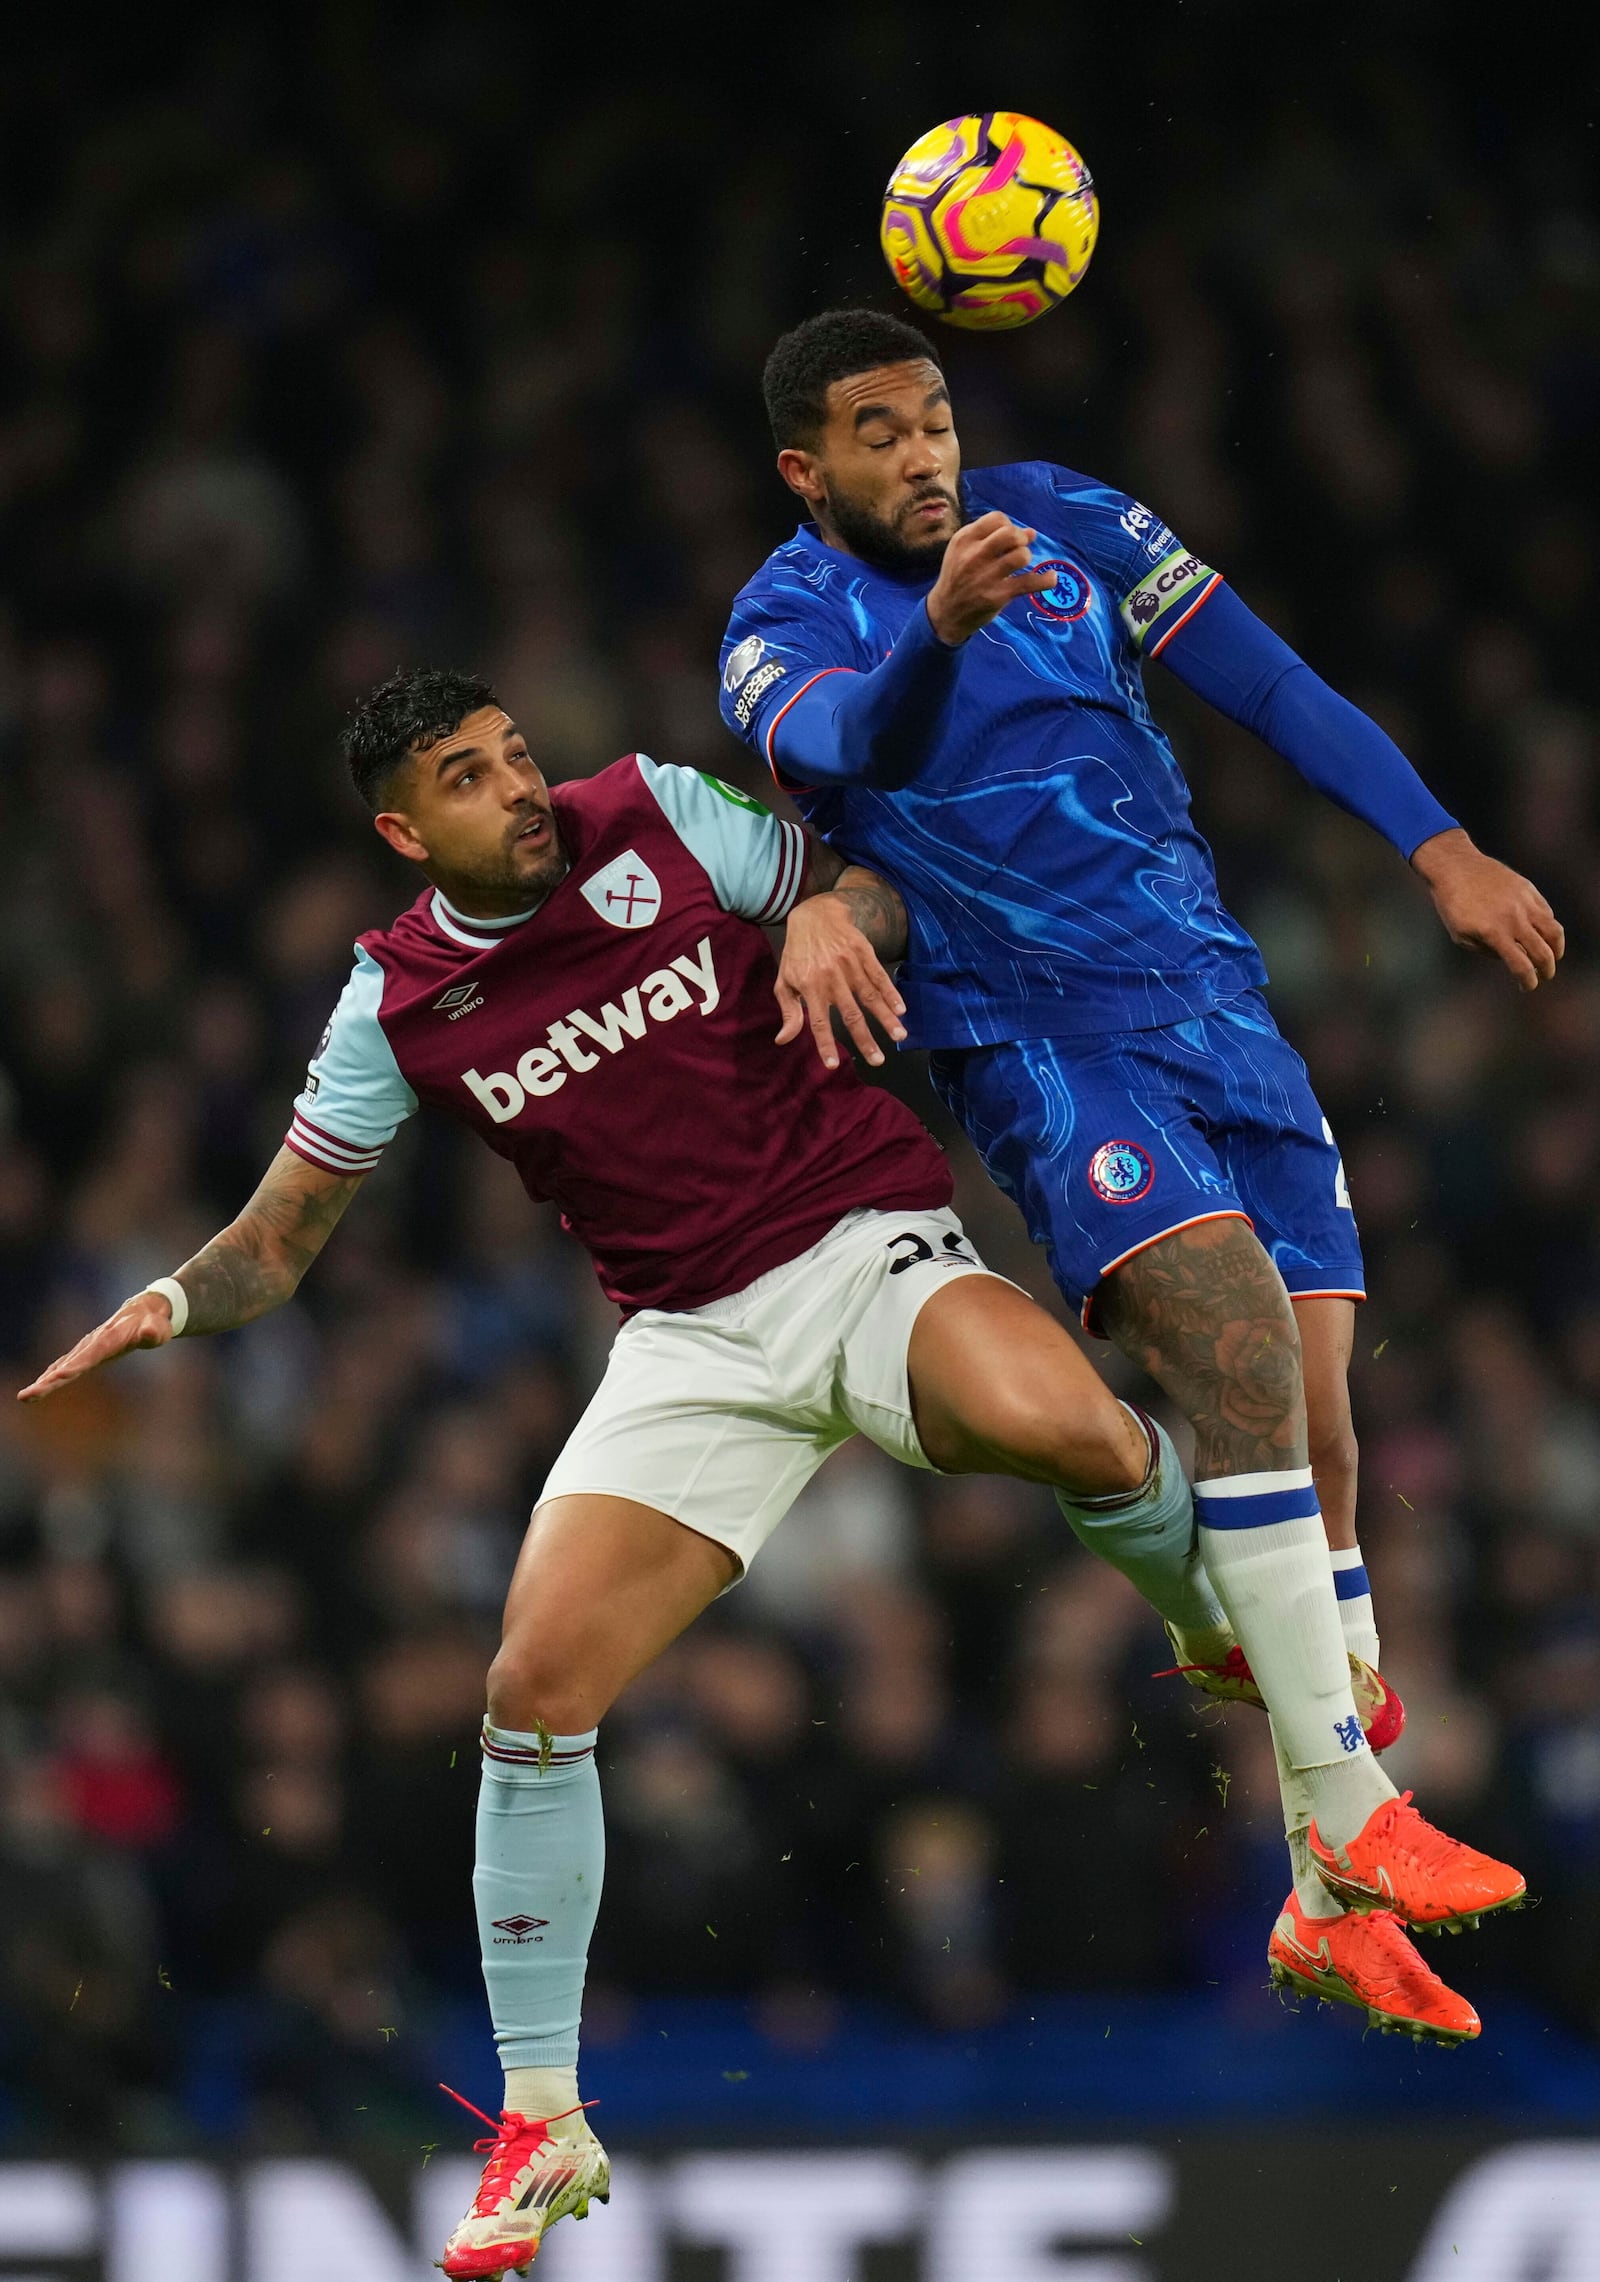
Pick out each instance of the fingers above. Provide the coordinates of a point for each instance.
(1517, 963)
(820, 1015)
(133, 1325)
(1541, 952)
(885, 1006)
(66, 1368)
(994, 531)
(853, 994)
(1551, 929)
(855, 1022)
(793, 1009)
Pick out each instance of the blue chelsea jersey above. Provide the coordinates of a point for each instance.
(1055, 881)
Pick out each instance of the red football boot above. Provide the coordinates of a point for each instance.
(1382, 1714)
(1399, 1862)
(1365, 1960)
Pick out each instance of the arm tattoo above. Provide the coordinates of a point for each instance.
(1206, 1314)
(257, 1261)
(877, 910)
(872, 903)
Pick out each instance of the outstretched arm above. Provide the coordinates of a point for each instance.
(847, 928)
(252, 1266)
(1225, 654)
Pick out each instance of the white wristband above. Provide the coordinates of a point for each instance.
(176, 1298)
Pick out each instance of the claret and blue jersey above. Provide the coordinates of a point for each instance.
(1056, 883)
(1093, 1009)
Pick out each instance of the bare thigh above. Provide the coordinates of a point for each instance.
(998, 1387)
(601, 1587)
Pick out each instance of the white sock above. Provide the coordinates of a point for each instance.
(550, 2094)
(1312, 1895)
(1354, 1588)
(1267, 1556)
(1309, 1891)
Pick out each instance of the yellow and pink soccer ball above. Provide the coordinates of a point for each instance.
(990, 220)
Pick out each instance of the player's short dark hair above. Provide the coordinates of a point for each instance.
(413, 709)
(830, 346)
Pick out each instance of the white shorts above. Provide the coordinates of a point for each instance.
(721, 1415)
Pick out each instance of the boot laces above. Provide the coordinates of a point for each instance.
(1404, 1968)
(1411, 1833)
(1234, 1666)
(514, 2139)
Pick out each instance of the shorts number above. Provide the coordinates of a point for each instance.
(1341, 1187)
(921, 1249)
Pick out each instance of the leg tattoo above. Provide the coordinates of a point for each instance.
(1205, 1312)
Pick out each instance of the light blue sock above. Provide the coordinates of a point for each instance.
(1152, 1538)
(541, 1858)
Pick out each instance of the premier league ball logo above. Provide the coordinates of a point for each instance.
(1120, 1172)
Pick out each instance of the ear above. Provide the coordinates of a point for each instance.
(802, 473)
(401, 836)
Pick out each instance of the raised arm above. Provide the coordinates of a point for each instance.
(845, 727)
(252, 1266)
(1225, 654)
(846, 929)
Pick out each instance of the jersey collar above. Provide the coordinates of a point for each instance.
(477, 934)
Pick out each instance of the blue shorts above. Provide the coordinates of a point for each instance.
(1109, 1144)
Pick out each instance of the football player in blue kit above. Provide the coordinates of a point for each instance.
(945, 671)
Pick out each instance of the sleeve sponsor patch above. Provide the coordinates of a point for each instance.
(733, 795)
(754, 690)
(1179, 579)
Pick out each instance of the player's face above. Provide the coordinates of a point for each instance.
(475, 813)
(884, 480)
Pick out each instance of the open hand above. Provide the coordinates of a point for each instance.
(143, 1321)
(985, 566)
(1489, 907)
(828, 965)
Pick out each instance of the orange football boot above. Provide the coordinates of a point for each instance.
(1399, 1862)
(1365, 1960)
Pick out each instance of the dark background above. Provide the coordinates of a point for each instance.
(364, 336)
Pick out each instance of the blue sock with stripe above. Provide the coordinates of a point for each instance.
(1351, 1583)
(536, 1883)
(1267, 1556)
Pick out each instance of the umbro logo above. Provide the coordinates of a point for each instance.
(458, 1001)
(520, 1928)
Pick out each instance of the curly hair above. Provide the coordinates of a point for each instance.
(831, 346)
(413, 709)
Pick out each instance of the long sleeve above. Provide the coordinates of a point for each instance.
(847, 727)
(1226, 655)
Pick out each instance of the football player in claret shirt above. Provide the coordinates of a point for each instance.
(584, 982)
(945, 673)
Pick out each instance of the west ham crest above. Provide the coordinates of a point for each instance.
(625, 891)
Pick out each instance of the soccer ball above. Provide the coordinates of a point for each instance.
(990, 220)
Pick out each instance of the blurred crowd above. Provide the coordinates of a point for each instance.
(320, 359)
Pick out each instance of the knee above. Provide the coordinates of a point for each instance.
(532, 1686)
(1098, 1454)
